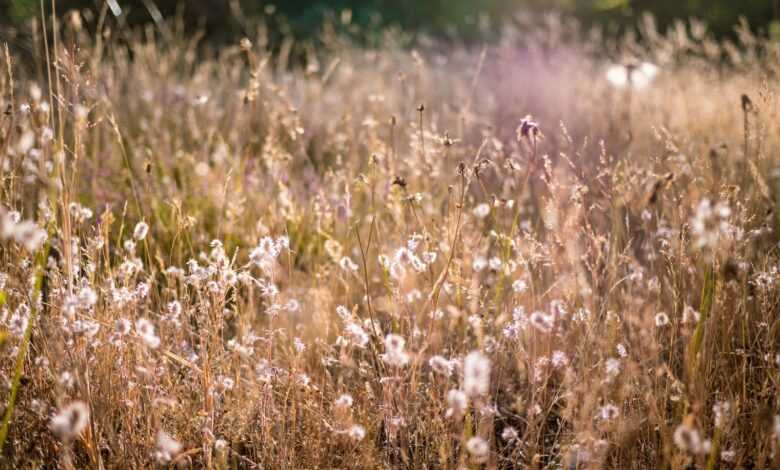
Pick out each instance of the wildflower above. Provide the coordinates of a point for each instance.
(457, 402)
(70, 421)
(661, 319)
(637, 76)
(476, 374)
(87, 297)
(479, 263)
(621, 350)
(347, 264)
(509, 434)
(264, 253)
(394, 351)
(166, 447)
(690, 315)
(481, 211)
(356, 433)
(710, 225)
(519, 286)
(559, 359)
(141, 229)
(612, 367)
(145, 330)
(344, 401)
(441, 365)
(608, 412)
(478, 448)
(25, 232)
(687, 439)
(542, 321)
(722, 411)
(528, 130)
(343, 313)
(357, 334)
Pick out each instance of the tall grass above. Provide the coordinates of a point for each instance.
(431, 258)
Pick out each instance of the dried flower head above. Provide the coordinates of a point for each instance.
(70, 421)
(476, 374)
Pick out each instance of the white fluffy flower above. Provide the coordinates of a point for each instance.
(70, 421)
(141, 230)
(476, 374)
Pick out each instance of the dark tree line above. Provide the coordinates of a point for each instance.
(228, 19)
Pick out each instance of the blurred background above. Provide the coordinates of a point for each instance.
(464, 20)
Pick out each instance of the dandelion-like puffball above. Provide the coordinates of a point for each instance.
(457, 402)
(608, 412)
(519, 286)
(441, 365)
(509, 434)
(394, 351)
(476, 374)
(70, 421)
(661, 319)
(481, 211)
(687, 439)
(344, 401)
(636, 76)
(141, 230)
(356, 433)
(478, 448)
(166, 447)
(145, 330)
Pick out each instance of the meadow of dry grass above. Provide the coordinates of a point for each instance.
(448, 257)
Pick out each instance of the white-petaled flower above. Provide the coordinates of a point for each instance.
(25, 233)
(457, 402)
(634, 75)
(394, 351)
(478, 448)
(722, 412)
(343, 313)
(357, 335)
(141, 230)
(356, 432)
(476, 374)
(612, 367)
(70, 421)
(661, 319)
(559, 359)
(687, 439)
(344, 401)
(519, 286)
(87, 297)
(479, 263)
(347, 264)
(509, 434)
(690, 315)
(481, 211)
(711, 227)
(441, 365)
(608, 412)
(145, 330)
(166, 447)
(542, 322)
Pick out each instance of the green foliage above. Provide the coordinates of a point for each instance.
(464, 19)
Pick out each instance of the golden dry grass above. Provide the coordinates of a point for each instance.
(601, 294)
